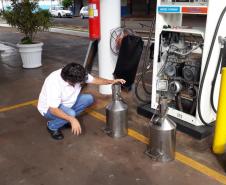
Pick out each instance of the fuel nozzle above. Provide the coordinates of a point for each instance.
(116, 92)
(163, 106)
(161, 111)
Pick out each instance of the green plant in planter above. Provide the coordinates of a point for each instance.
(28, 18)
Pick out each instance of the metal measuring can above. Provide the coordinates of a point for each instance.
(162, 136)
(117, 114)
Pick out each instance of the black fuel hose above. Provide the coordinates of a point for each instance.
(214, 81)
(206, 67)
(136, 90)
(148, 53)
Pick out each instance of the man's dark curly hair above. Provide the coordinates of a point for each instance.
(74, 73)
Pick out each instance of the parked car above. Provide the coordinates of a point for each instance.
(58, 11)
(84, 12)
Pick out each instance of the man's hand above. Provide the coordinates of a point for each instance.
(103, 81)
(75, 126)
(121, 81)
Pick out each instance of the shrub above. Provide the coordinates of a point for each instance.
(28, 18)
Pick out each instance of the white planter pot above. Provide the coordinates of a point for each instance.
(31, 54)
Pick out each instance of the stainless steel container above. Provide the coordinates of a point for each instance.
(162, 136)
(117, 114)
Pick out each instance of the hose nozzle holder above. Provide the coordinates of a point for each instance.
(222, 40)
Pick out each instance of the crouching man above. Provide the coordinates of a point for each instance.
(60, 101)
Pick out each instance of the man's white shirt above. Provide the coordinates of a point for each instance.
(56, 91)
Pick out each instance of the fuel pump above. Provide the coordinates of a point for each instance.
(185, 65)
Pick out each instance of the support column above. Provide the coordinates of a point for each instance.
(110, 18)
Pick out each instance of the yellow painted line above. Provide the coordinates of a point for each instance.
(35, 104)
(180, 157)
(201, 168)
(4, 109)
(138, 136)
(99, 105)
(95, 114)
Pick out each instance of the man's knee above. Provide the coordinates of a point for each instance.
(71, 112)
(89, 99)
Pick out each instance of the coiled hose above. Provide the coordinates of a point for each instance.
(206, 67)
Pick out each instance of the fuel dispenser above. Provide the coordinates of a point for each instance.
(185, 64)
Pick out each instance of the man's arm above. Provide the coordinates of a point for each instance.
(75, 126)
(103, 81)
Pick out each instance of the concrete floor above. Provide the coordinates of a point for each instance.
(29, 156)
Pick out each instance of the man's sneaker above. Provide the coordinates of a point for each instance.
(56, 134)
